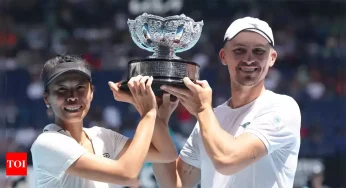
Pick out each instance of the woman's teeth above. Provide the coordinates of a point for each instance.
(72, 109)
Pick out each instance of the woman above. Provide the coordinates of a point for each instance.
(68, 155)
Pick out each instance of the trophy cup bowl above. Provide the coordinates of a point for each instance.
(164, 37)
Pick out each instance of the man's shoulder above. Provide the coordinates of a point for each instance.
(279, 97)
(273, 99)
(279, 107)
(282, 108)
(221, 107)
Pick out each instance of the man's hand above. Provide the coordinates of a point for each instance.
(196, 98)
(167, 104)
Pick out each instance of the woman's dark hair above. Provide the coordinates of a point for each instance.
(59, 59)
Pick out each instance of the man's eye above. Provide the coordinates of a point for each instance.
(239, 51)
(259, 51)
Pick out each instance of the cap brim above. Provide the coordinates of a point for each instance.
(252, 30)
(67, 71)
(261, 33)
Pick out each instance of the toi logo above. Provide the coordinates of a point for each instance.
(16, 164)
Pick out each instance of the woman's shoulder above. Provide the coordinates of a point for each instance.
(50, 138)
(97, 131)
(102, 133)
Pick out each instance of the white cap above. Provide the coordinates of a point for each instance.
(250, 24)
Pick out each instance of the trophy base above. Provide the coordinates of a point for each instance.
(164, 71)
(157, 83)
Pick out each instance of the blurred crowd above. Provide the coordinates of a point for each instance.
(310, 38)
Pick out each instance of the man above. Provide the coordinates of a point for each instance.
(251, 140)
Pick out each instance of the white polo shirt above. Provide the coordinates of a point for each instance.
(55, 150)
(273, 118)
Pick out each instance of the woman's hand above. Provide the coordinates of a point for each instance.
(143, 96)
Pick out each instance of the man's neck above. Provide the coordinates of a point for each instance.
(244, 95)
(75, 129)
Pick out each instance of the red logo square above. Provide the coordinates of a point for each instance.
(16, 164)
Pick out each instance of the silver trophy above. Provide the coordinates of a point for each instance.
(164, 37)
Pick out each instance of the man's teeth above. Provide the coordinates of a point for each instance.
(247, 69)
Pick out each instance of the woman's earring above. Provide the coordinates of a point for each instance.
(48, 106)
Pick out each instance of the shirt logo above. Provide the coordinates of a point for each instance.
(106, 155)
(245, 124)
(277, 119)
(16, 164)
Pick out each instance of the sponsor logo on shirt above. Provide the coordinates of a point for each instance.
(106, 155)
(277, 119)
(245, 124)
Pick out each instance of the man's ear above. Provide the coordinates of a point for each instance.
(222, 55)
(273, 56)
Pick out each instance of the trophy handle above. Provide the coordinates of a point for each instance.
(200, 23)
(134, 36)
(194, 27)
(178, 34)
(146, 34)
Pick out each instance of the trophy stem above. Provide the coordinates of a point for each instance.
(164, 52)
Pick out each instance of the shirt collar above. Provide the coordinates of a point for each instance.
(57, 128)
